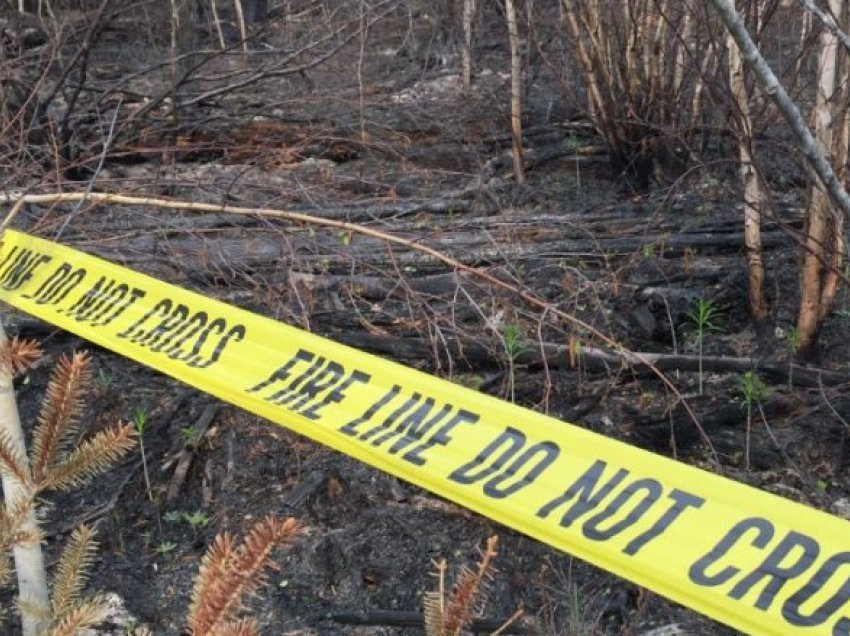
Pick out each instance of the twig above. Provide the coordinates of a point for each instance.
(190, 448)
(305, 489)
(390, 618)
(106, 145)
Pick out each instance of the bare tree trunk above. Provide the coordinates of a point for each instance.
(181, 43)
(818, 211)
(516, 91)
(240, 19)
(29, 560)
(805, 32)
(841, 149)
(466, 45)
(218, 30)
(752, 190)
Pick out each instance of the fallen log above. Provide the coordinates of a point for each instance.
(774, 370)
(471, 354)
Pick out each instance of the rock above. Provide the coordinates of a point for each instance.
(841, 507)
(117, 620)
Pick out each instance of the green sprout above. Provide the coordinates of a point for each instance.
(140, 422)
(513, 339)
(103, 380)
(575, 145)
(792, 344)
(702, 318)
(196, 520)
(173, 516)
(754, 392)
(164, 548)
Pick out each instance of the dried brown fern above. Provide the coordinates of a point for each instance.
(90, 458)
(13, 461)
(18, 355)
(229, 572)
(450, 616)
(12, 531)
(434, 602)
(244, 627)
(89, 613)
(72, 571)
(60, 413)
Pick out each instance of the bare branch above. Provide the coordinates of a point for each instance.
(828, 21)
(773, 88)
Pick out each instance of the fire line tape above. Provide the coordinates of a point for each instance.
(745, 557)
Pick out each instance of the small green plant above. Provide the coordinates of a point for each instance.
(164, 548)
(513, 339)
(754, 391)
(196, 520)
(576, 608)
(575, 146)
(103, 381)
(140, 423)
(173, 516)
(792, 343)
(190, 435)
(702, 318)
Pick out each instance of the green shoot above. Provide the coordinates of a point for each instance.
(190, 435)
(575, 145)
(164, 548)
(140, 423)
(103, 381)
(196, 520)
(702, 318)
(792, 343)
(173, 516)
(754, 391)
(513, 338)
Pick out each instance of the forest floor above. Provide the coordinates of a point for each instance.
(383, 153)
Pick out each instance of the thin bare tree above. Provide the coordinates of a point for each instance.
(824, 243)
(466, 45)
(753, 198)
(516, 91)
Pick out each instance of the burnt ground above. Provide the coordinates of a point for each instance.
(404, 152)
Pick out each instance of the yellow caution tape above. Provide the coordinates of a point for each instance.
(745, 557)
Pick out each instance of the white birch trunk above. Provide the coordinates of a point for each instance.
(29, 560)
